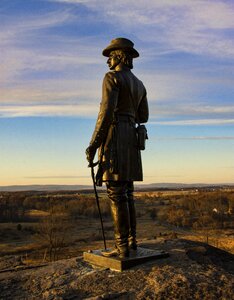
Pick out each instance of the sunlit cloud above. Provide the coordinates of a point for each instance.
(17, 62)
(56, 76)
(75, 103)
(55, 177)
(197, 138)
(48, 110)
(52, 92)
(186, 25)
(200, 109)
(196, 122)
(51, 65)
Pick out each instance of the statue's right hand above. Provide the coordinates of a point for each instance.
(90, 154)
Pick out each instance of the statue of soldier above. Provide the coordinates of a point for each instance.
(123, 104)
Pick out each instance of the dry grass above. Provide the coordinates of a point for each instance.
(218, 241)
(85, 232)
(35, 213)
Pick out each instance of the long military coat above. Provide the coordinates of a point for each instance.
(123, 104)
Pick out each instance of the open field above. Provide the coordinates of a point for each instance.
(72, 218)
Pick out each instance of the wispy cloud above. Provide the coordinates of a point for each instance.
(51, 65)
(14, 28)
(198, 110)
(28, 48)
(82, 110)
(56, 177)
(51, 91)
(186, 25)
(197, 138)
(17, 62)
(197, 122)
(46, 72)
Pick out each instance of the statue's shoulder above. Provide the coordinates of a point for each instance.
(111, 76)
(139, 81)
(136, 78)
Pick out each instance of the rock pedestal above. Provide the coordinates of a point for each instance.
(140, 256)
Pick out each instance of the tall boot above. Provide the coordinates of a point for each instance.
(119, 211)
(120, 215)
(132, 217)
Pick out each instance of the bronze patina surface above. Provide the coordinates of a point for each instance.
(140, 256)
(124, 104)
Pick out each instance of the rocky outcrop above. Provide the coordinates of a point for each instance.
(193, 271)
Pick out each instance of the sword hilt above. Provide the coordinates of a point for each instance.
(92, 164)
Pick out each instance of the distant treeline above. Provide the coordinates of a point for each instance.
(15, 206)
(210, 209)
(202, 209)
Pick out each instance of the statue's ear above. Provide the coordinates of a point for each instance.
(119, 57)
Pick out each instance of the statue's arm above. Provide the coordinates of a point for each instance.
(143, 110)
(110, 91)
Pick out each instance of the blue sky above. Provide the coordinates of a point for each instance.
(51, 75)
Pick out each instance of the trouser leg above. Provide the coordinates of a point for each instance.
(117, 192)
(132, 216)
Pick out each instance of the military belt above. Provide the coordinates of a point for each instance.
(124, 118)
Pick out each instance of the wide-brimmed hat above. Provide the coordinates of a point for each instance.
(121, 44)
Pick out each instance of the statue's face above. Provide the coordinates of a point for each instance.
(113, 61)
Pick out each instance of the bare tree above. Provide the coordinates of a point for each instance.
(54, 231)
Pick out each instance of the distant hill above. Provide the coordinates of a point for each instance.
(181, 185)
(52, 187)
(153, 186)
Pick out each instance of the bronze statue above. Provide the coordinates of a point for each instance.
(123, 104)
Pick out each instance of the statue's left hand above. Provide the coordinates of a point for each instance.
(90, 154)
